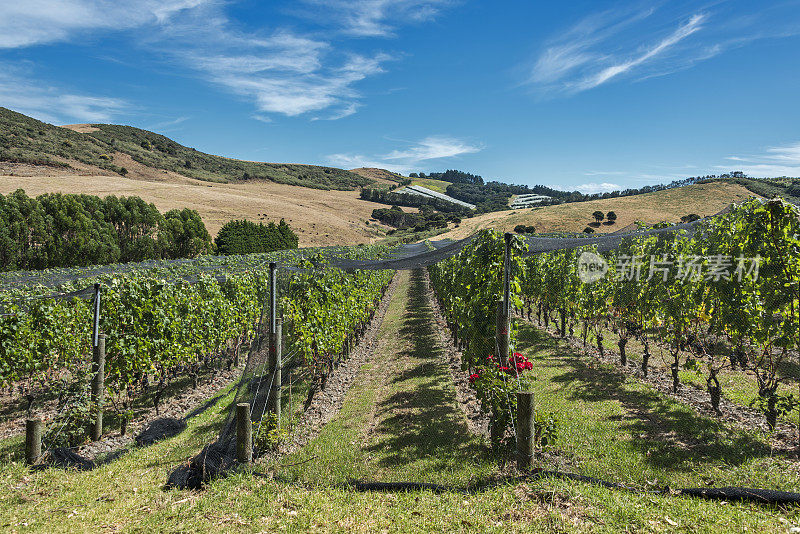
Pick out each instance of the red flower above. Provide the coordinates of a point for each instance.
(473, 377)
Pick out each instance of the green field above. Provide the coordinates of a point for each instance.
(439, 186)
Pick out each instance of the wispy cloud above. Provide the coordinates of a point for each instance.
(374, 18)
(47, 21)
(773, 162)
(282, 71)
(604, 173)
(410, 158)
(54, 104)
(638, 43)
(167, 125)
(618, 68)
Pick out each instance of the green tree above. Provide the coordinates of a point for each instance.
(183, 235)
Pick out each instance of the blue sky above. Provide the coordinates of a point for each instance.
(587, 95)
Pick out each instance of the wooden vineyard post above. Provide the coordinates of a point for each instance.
(503, 333)
(526, 421)
(98, 386)
(244, 434)
(275, 370)
(273, 295)
(504, 306)
(33, 440)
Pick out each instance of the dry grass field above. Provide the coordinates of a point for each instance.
(670, 206)
(323, 217)
(319, 217)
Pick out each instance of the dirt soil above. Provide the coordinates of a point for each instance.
(175, 407)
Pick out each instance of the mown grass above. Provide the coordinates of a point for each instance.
(440, 186)
(400, 422)
(738, 386)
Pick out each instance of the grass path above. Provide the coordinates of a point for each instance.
(399, 421)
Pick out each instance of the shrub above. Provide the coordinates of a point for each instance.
(246, 237)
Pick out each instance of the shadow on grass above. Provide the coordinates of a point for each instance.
(422, 423)
(669, 435)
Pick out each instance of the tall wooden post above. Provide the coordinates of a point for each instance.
(503, 333)
(275, 369)
(244, 434)
(33, 440)
(273, 295)
(504, 306)
(98, 386)
(525, 427)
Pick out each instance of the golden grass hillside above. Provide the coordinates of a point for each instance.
(381, 176)
(319, 217)
(669, 205)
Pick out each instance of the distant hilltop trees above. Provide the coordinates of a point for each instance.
(451, 175)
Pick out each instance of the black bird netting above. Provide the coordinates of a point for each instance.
(256, 386)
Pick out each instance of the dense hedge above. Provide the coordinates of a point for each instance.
(246, 237)
(426, 219)
(58, 230)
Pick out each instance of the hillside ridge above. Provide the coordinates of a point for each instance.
(111, 147)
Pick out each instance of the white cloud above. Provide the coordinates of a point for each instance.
(168, 125)
(604, 173)
(618, 68)
(35, 22)
(433, 147)
(644, 43)
(409, 159)
(775, 161)
(280, 70)
(374, 18)
(590, 188)
(53, 104)
(593, 187)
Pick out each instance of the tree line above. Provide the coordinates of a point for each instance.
(426, 219)
(382, 196)
(452, 176)
(68, 230)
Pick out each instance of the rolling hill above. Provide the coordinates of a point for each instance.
(321, 203)
(113, 148)
(668, 205)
